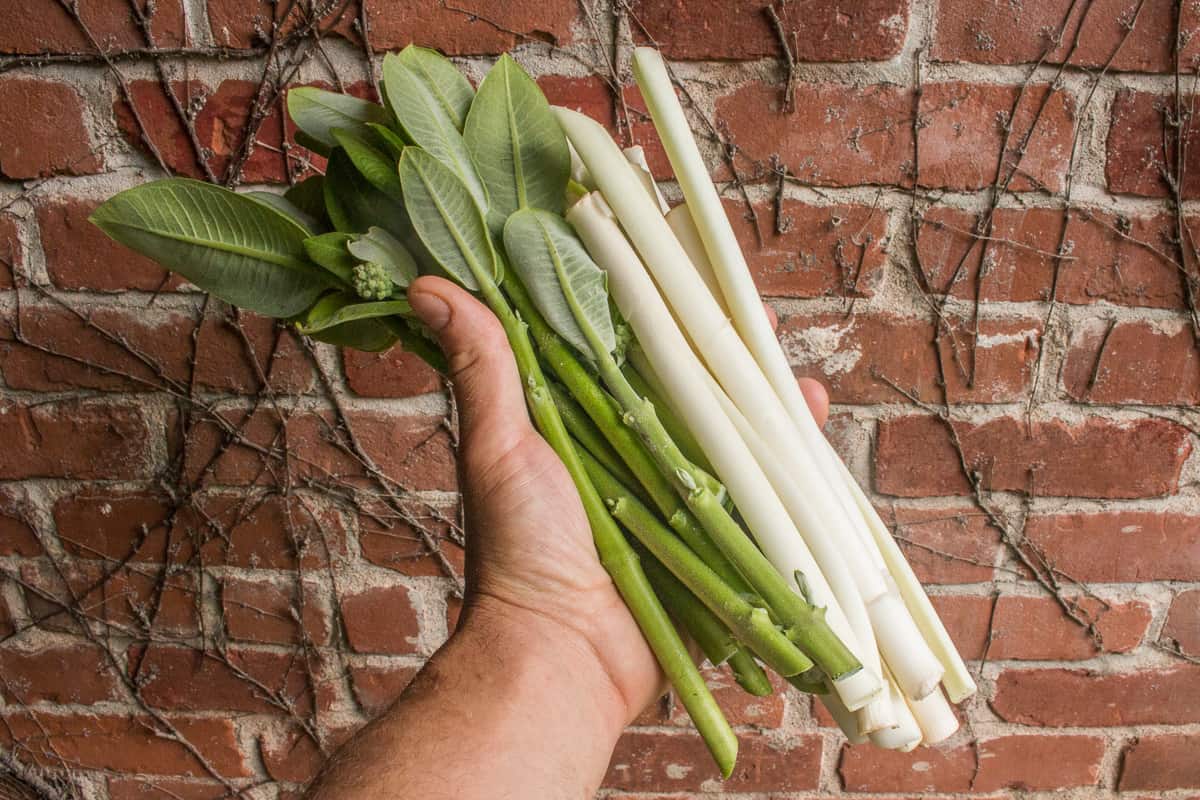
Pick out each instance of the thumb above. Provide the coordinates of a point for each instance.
(491, 404)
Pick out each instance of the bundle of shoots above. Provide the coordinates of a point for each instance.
(647, 360)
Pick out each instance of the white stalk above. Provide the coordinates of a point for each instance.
(682, 375)
(956, 678)
(637, 157)
(724, 351)
(844, 718)
(579, 173)
(906, 734)
(934, 716)
(681, 222)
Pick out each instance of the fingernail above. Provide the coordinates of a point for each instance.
(432, 309)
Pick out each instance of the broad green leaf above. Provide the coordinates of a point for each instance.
(428, 119)
(380, 247)
(355, 205)
(309, 196)
(238, 249)
(352, 310)
(518, 146)
(376, 166)
(317, 113)
(372, 334)
(329, 251)
(279, 203)
(395, 145)
(447, 220)
(565, 284)
(452, 90)
(309, 143)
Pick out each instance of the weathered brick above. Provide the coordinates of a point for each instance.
(1155, 363)
(17, 537)
(843, 135)
(1006, 762)
(826, 30)
(945, 545)
(654, 762)
(1119, 547)
(63, 674)
(916, 457)
(1183, 622)
(1036, 629)
(26, 151)
(740, 707)
(381, 620)
(824, 250)
(261, 611)
(396, 544)
(274, 532)
(247, 23)
(1166, 761)
(80, 256)
(33, 27)
(74, 439)
(183, 679)
(1051, 697)
(148, 788)
(988, 32)
(126, 744)
(857, 356)
(1107, 257)
(229, 361)
(7, 624)
(122, 526)
(472, 27)
(376, 688)
(1140, 152)
(393, 373)
(294, 757)
(11, 255)
(113, 349)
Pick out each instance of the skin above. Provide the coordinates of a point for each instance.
(528, 697)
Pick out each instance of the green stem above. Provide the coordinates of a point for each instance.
(749, 624)
(714, 638)
(678, 431)
(587, 435)
(615, 553)
(749, 675)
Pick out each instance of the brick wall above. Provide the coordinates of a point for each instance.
(222, 551)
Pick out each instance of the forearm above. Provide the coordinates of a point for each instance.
(510, 706)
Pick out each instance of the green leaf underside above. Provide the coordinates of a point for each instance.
(329, 251)
(371, 334)
(447, 220)
(380, 247)
(428, 121)
(317, 113)
(452, 90)
(372, 163)
(390, 138)
(309, 196)
(354, 204)
(234, 247)
(351, 311)
(568, 287)
(518, 147)
(281, 204)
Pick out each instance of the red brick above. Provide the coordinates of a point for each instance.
(1119, 547)
(915, 457)
(856, 356)
(17, 537)
(118, 526)
(1036, 628)
(275, 532)
(259, 611)
(397, 545)
(740, 707)
(945, 545)
(33, 27)
(393, 373)
(1007, 762)
(26, 151)
(125, 744)
(225, 360)
(377, 688)
(247, 23)
(826, 30)
(471, 27)
(1183, 622)
(1136, 157)
(153, 788)
(113, 349)
(64, 674)
(844, 135)
(652, 762)
(381, 620)
(1081, 698)
(11, 255)
(238, 461)
(1165, 761)
(73, 439)
(988, 32)
(183, 679)
(80, 256)
(825, 250)
(7, 624)
(1153, 363)
(295, 758)
(1099, 264)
